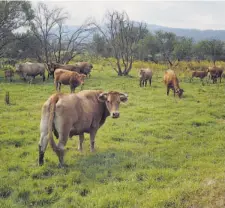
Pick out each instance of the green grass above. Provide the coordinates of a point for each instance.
(161, 152)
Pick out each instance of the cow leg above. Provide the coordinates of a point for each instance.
(168, 91)
(92, 140)
(63, 137)
(43, 77)
(81, 139)
(150, 82)
(174, 92)
(44, 137)
(56, 85)
(72, 89)
(59, 86)
(140, 83)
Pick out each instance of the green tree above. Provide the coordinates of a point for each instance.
(183, 48)
(14, 15)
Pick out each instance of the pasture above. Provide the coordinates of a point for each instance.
(161, 152)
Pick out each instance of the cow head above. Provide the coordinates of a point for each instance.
(179, 92)
(112, 100)
(18, 69)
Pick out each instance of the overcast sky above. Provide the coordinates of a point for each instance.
(178, 14)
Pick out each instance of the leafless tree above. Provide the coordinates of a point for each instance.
(58, 42)
(122, 35)
(43, 25)
(66, 44)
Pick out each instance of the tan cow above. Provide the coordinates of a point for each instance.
(75, 114)
(145, 75)
(171, 82)
(215, 72)
(9, 73)
(66, 77)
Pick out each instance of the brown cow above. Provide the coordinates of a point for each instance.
(53, 66)
(171, 81)
(9, 73)
(66, 77)
(145, 75)
(200, 74)
(215, 72)
(68, 115)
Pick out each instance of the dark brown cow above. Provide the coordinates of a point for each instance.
(171, 81)
(215, 72)
(9, 73)
(85, 68)
(199, 74)
(66, 77)
(68, 115)
(145, 75)
(53, 66)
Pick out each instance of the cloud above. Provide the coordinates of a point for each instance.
(179, 14)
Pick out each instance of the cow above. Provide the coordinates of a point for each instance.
(31, 69)
(53, 66)
(171, 82)
(9, 73)
(68, 115)
(74, 79)
(199, 74)
(145, 75)
(215, 72)
(85, 68)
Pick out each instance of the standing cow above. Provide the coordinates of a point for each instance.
(9, 73)
(215, 72)
(31, 70)
(145, 75)
(171, 82)
(71, 78)
(75, 114)
(85, 68)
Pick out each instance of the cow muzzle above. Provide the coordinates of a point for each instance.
(115, 114)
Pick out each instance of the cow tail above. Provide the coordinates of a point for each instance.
(53, 102)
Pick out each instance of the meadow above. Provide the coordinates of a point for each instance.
(161, 152)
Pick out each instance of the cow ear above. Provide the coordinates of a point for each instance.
(123, 97)
(103, 97)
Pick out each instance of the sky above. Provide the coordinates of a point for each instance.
(177, 14)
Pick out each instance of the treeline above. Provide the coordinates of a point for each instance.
(41, 34)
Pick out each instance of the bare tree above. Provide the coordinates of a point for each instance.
(122, 35)
(43, 25)
(58, 42)
(66, 44)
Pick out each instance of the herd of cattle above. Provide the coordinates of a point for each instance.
(171, 81)
(67, 115)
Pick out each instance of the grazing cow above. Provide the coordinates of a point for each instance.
(171, 81)
(31, 69)
(68, 115)
(74, 79)
(9, 73)
(145, 75)
(200, 74)
(215, 72)
(53, 66)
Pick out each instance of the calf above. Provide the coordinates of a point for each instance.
(9, 73)
(68, 115)
(65, 77)
(145, 75)
(171, 82)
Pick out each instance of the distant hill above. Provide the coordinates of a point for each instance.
(197, 35)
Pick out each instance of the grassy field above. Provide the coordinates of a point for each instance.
(161, 152)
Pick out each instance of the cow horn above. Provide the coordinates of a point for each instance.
(124, 94)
